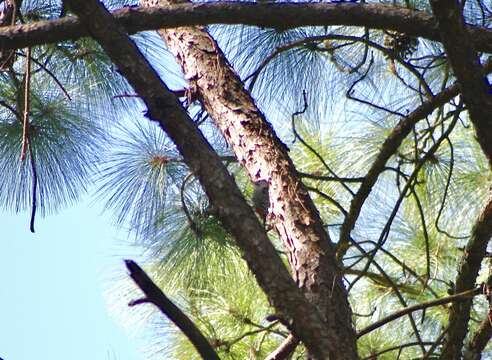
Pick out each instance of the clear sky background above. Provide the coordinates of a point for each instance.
(53, 284)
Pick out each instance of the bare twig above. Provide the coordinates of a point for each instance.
(193, 226)
(452, 298)
(410, 182)
(27, 92)
(388, 149)
(434, 346)
(50, 74)
(331, 178)
(374, 355)
(444, 196)
(309, 147)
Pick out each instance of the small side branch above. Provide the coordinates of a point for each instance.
(388, 149)
(285, 349)
(155, 296)
(453, 298)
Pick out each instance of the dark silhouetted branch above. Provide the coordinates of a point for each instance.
(280, 15)
(155, 296)
(236, 215)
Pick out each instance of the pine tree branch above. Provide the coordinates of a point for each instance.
(265, 157)
(27, 105)
(285, 349)
(388, 149)
(34, 188)
(155, 296)
(383, 282)
(237, 217)
(480, 339)
(452, 298)
(280, 15)
(375, 355)
(476, 92)
(471, 261)
(466, 66)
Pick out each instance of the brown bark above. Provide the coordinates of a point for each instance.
(7, 18)
(480, 339)
(282, 15)
(467, 69)
(238, 218)
(467, 274)
(285, 350)
(475, 90)
(213, 81)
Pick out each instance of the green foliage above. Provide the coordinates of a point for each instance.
(65, 147)
(360, 84)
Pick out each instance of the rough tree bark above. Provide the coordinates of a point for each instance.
(475, 91)
(311, 255)
(238, 218)
(281, 15)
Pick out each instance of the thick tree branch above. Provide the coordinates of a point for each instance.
(155, 296)
(237, 217)
(480, 339)
(282, 15)
(467, 69)
(311, 257)
(475, 90)
(467, 274)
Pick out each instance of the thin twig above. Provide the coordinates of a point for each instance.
(388, 149)
(331, 178)
(444, 197)
(410, 182)
(34, 188)
(12, 110)
(420, 209)
(452, 298)
(329, 198)
(434, 346)
(48, 71)
(25, 125)
(393, 348)
(398, 294)
(310, 148)
(193, 226)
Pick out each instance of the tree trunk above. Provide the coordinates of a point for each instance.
(237, 217)
(213, 81)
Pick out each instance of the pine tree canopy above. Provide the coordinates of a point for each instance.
(367, 122)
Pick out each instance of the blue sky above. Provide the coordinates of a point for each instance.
(54, 283)
(52, 302)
